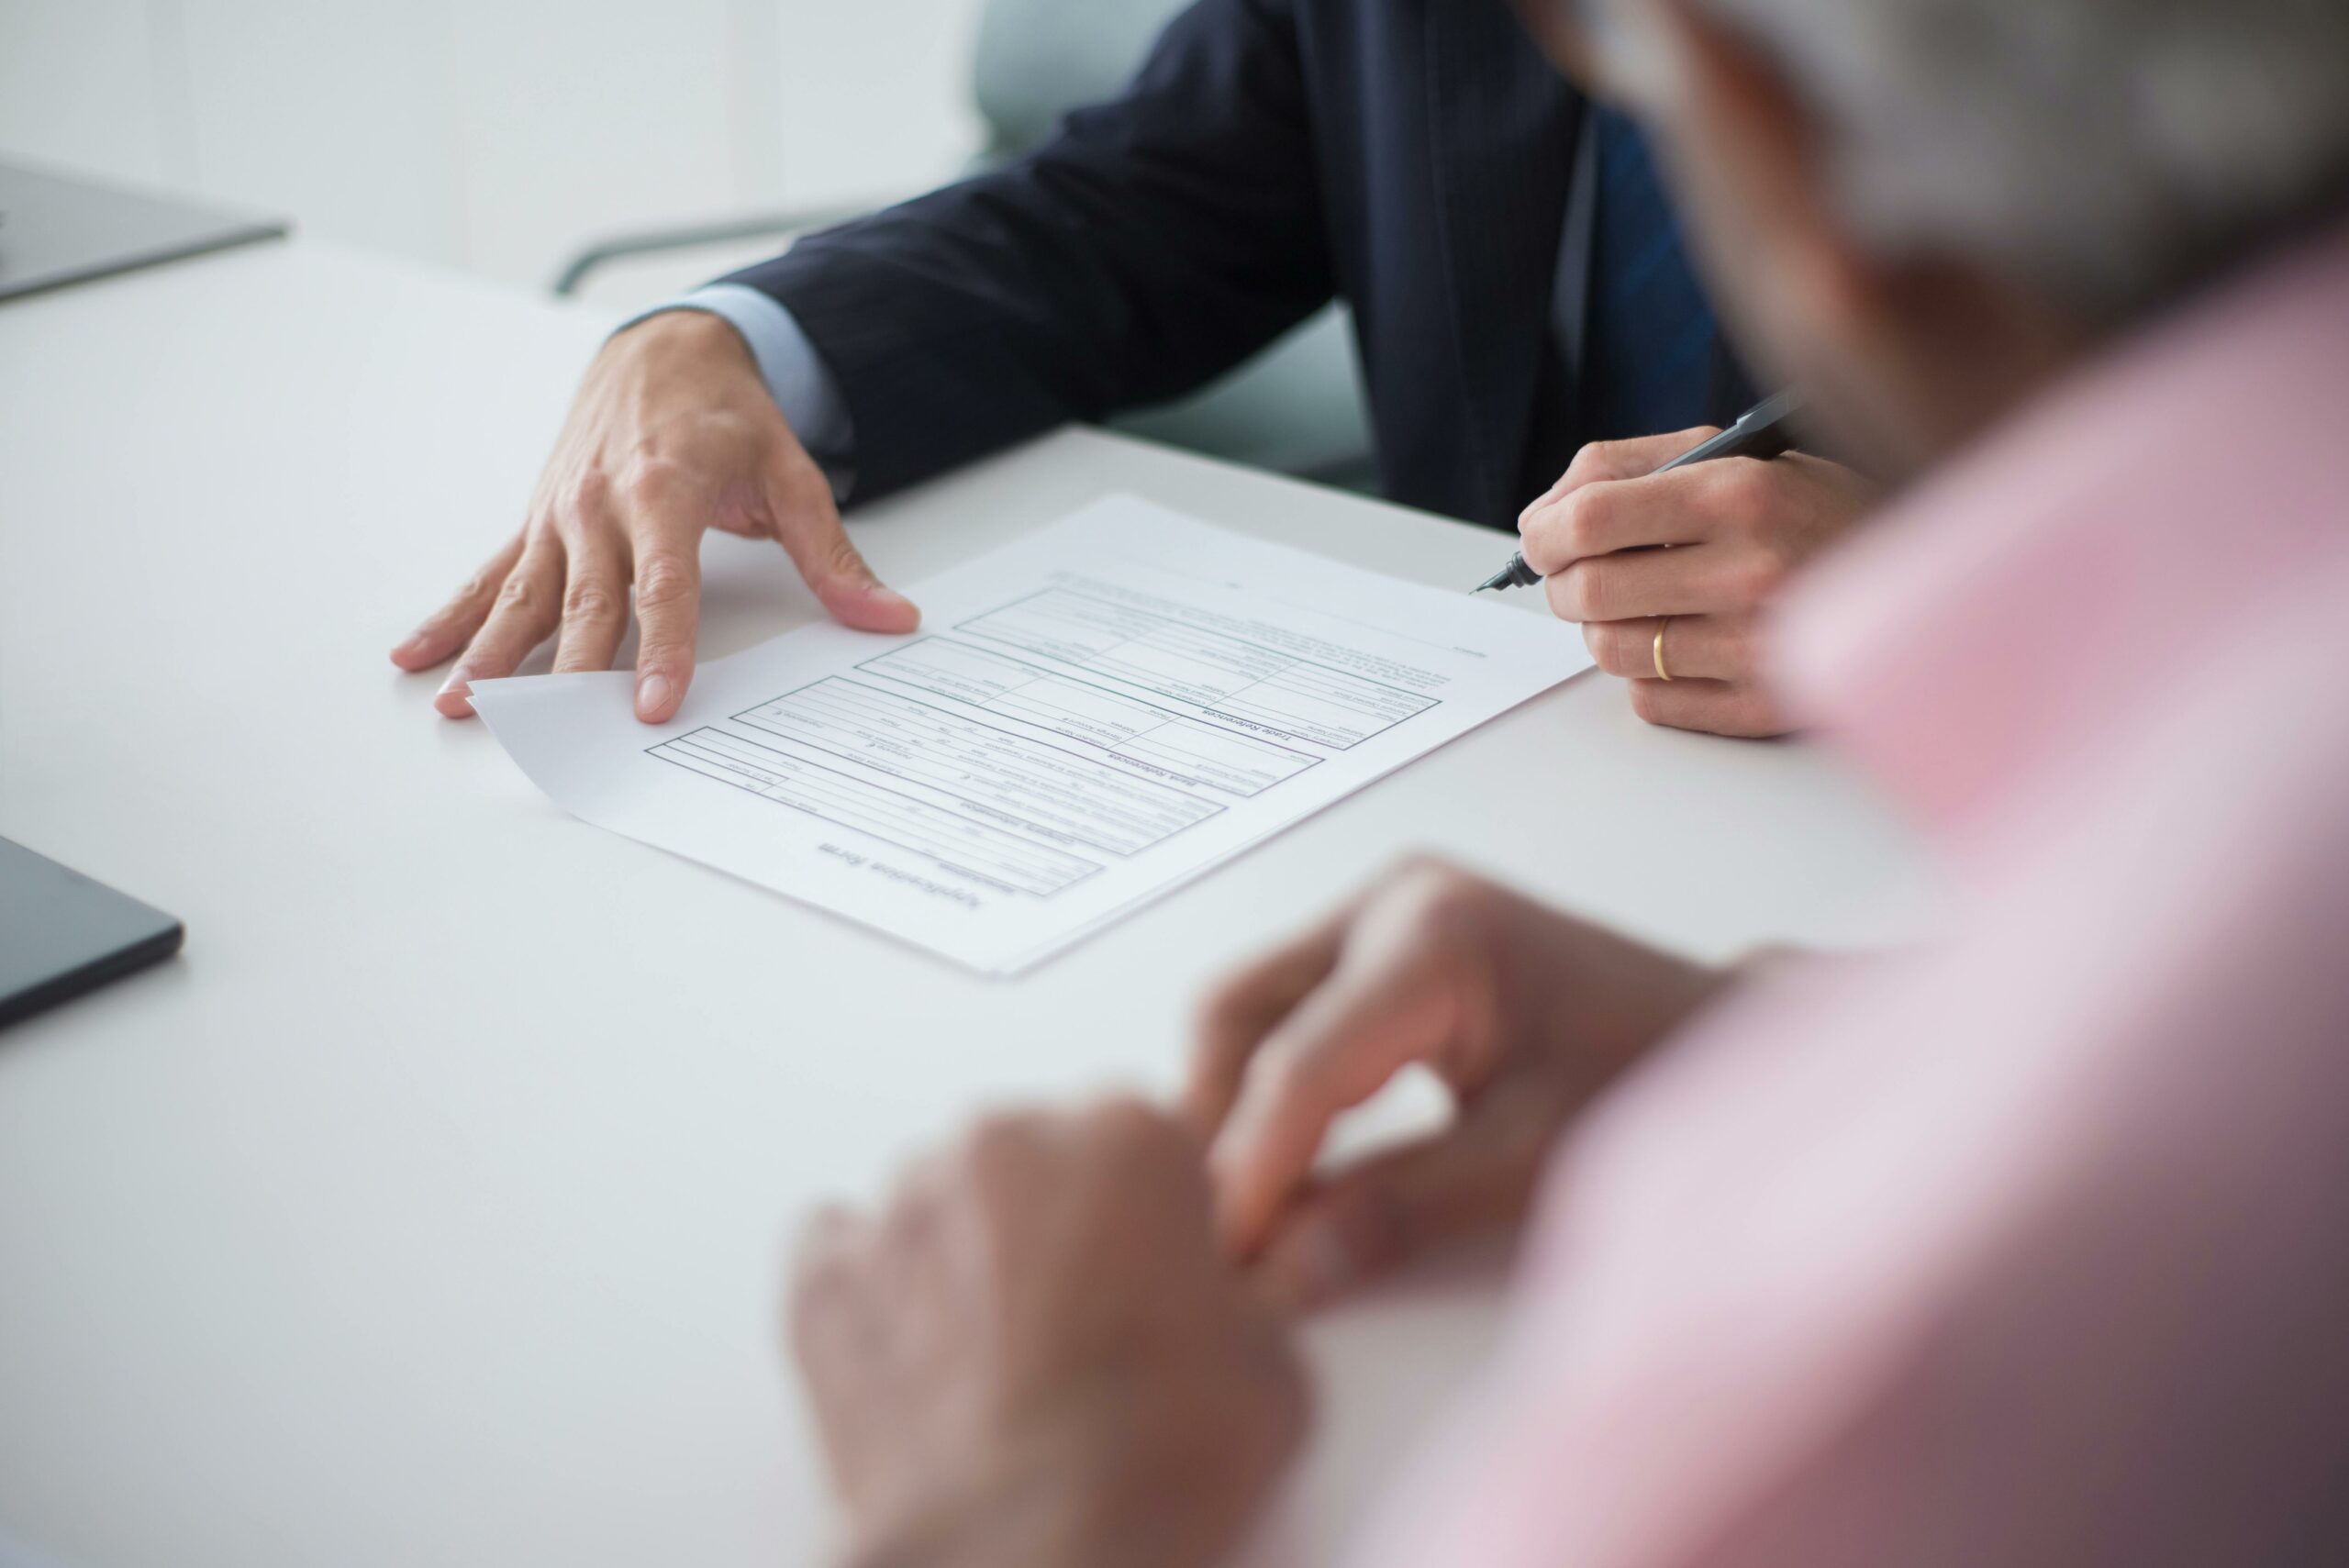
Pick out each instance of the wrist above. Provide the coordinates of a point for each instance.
(681, 334)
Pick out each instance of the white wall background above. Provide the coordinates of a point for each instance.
(496, 135)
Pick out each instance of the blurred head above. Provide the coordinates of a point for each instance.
(1922, 208)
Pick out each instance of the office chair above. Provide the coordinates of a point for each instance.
(1296, 408)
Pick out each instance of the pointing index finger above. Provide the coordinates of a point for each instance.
(1602, 463)
(1243, 1010)
(1379, 1011)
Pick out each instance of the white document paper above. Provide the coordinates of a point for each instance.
(1088, 718)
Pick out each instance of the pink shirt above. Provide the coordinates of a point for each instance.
(2030, 1247)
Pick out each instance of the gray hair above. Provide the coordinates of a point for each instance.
(2106, 153)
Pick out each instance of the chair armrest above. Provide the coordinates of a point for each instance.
(688, 236)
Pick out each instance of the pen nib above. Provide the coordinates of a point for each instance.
(1516, 574)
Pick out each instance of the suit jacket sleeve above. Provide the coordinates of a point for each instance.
(1155, 242)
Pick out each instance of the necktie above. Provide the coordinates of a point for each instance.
(1648, 345)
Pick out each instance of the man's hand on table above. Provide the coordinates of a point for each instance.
(1525, 1015)
(672, 433)
(1738, 527)
(1045, 1352)
(1039, 1356)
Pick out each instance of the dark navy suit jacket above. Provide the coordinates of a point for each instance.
(1411, 156)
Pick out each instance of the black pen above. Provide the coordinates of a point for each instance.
(1760, 432)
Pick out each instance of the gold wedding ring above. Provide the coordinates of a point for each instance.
(1660, 673)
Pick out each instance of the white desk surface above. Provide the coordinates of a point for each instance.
(430, 1208)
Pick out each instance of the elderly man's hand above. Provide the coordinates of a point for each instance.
(1524, 1013)
(672, 433)
(1737, 527)
(1040, 1356)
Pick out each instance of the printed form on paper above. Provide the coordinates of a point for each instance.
(1088, 718)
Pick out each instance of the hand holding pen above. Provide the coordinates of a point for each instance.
(1681, 623)
(1761, 432)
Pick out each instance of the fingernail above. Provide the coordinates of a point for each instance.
(412, 647)
(457, 686)
(877, 609)
(652, 695)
